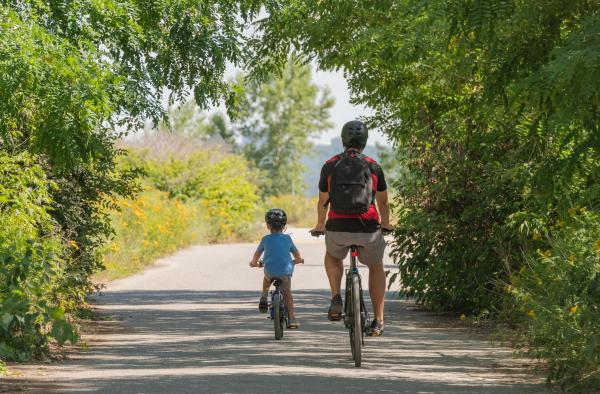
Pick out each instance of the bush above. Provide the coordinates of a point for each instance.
(221, 183)
(301, 210)
(148, 227)
(189, 198)
(558, 295)
(31, 278)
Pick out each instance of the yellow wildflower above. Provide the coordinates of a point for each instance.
(145, 243)
(462, 317)
(73, 244)
(531, 313)
(573, 309)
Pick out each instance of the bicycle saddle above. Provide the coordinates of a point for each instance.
(276, 281)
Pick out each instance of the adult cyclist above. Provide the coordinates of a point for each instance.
(350, 185)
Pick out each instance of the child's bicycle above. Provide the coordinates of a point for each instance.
(277, 309)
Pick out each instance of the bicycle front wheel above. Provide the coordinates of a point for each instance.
(356, 323)
(278, 315)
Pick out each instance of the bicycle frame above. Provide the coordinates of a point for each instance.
(272, 295)
(353, 270)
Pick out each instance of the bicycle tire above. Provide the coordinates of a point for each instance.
(356, 323)
(277, 315)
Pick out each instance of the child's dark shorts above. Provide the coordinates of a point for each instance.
(286, 281)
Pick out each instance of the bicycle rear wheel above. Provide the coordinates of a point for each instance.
(356, 323)
(278, 315)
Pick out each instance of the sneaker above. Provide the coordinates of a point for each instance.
(293, 324)
(263, 305)
(376, 329)
(335, 309)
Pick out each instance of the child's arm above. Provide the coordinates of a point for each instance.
(297, 258)
(255, 257)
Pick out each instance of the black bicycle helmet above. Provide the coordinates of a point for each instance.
(276, 217)
(355, 134)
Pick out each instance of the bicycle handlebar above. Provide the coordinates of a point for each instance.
(314, 233)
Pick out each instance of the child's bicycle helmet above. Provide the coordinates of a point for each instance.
(276, 217)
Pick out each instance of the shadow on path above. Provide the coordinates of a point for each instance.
(217, 342)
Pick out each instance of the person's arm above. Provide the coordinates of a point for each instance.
(255, 257)
(322, 208)
(297, 258)
(296, 253)
(257, 254)
(384, 209)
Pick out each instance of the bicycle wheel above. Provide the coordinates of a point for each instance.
(277, 315)
(356, 323)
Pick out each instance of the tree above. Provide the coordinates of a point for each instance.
(74, 77)
(277, 120)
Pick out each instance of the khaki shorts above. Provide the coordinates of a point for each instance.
(371, 246)
(286, 281)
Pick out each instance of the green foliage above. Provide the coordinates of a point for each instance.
(75, 76)
(222, 185)
(277, 118)
(31, 278)
(191, 196)
(557, 294)
(148, 227)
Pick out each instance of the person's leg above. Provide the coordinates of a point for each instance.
(371, 254)
(336, 251)
(335, 270)
(263, 304)
(377, 289)
(265, 286)
(289, 302)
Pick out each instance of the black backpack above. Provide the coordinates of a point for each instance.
(351, 190)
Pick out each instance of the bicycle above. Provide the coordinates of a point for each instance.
(277, 309)
(355, 316)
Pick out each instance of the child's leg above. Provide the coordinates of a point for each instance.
(263, 304)
(289, 301)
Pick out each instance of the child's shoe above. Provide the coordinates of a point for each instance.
(293, 324)
(263, 305)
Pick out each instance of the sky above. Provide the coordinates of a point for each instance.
(343, 110)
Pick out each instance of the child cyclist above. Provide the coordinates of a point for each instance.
(277, 261)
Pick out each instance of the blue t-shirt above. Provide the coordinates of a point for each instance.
(277, 259)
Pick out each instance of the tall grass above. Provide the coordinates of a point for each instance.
(193, 193)
(149, 227)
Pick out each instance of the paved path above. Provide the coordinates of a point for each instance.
(190, 325)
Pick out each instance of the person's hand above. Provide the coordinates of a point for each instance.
(254, 264)
(299, 261)
(386, 229)
(319, 229)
